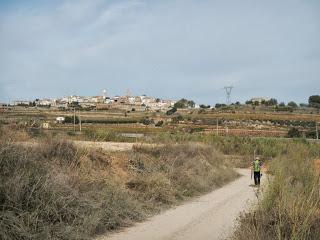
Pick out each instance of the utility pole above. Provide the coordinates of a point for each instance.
(317, 133)
(217, 127)
(74, 119)
(79, 121)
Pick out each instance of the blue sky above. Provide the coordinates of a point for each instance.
(170, 49)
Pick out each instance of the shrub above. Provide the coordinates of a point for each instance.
(159, 124)
(147, 121)
(177, 119)
(154, 187)
(201, 110)
(294, 133)
(171, 111)
(311, 134)
(283, 108)
(104, 135)
(204, 106)
(71, 119)
(54, 148)
(220, 105)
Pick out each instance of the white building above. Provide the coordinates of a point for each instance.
(45, 102)
(60, 119)
(260, 99)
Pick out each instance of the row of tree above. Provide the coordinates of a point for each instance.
(313, 101)
(271, 102)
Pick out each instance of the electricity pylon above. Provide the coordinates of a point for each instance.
(228, 90)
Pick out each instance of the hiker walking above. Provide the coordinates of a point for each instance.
(256, 168)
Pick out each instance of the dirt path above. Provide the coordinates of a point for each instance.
(112, 146)
(109, 146)
(209, 217)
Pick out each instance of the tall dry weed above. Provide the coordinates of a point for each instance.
(290, 206)
(54, 190)
(42, 198)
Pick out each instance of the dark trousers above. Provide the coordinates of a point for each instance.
(257, 176)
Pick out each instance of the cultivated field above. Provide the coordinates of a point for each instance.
(58, 182)
(119, 123)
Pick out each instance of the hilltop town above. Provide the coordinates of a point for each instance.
(127, 102)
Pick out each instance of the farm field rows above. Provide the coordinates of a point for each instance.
(255, 124)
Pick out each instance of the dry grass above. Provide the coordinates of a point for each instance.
(47, 198)
(317, 165)
(14, 132)
(55, 190)
(184, 170)
(290, 206)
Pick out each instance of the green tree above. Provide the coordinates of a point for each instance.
(255, 103)
(184, 103)
(220, 105)
(191, 104)
(314, 101)
(204, 106)
(292, 104)
(271, 102)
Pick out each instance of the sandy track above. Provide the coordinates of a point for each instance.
(113, 146)
(108, 146)
(209, 217)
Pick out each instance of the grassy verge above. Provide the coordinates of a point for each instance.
(290, 207)
(57, 191)
(241, 148)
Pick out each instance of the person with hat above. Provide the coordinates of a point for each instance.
(256, 168)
